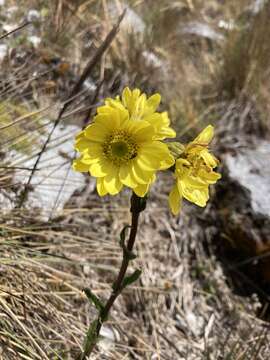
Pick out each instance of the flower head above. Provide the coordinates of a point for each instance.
(194, 172)
(122, 146)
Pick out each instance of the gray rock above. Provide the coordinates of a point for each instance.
(3, 51)
(201, 30)
(251, 169)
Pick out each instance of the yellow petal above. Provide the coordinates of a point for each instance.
(127, 98)
(209, 159)
(142, 176)
(109, 120)
(100, 187)
(194, 182)
(82, 144)
(139, 108)
(141, 190)
(96, 132)
(126, 177)
(153, 102)
(196, 196)
(175, 200)
(157, 153)
(80, 166)
(115, 104)
(161, 124)
(205, 136)
(167, 162)
(101, 168)
(210, 177)
(141, 130)
(146, 163)
(112, 183)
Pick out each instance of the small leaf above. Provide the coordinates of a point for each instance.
(123, 235)
(130, 255)
(130, 279)
(94, 299)
(143, 202)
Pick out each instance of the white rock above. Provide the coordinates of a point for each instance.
(7, 202)
(3, 51)
(257, 6)
(227, 25)
(33, 15)
(251, 169)
(35, 40)
(201, 30)
(195, 323)
(9, 27)
(55, 181)
(151, 59)
(108, 338)
(90, 85)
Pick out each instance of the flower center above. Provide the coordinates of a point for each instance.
(120, 148)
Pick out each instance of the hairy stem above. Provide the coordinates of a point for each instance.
(137, 206)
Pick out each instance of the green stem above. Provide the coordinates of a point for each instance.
(137, 206)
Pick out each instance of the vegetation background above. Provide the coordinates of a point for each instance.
(204, 292)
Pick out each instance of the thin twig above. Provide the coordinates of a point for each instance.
(15, 30)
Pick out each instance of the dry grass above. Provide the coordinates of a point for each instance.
(185, 305)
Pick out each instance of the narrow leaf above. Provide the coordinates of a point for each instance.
(123, 235)
(130, 279)
(94, 299)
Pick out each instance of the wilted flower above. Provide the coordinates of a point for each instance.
(122, 146)
(194, 172)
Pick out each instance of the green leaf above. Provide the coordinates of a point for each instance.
(123, 235)
(130, 279)
(130, 255)
(143, 202)
(94, 299)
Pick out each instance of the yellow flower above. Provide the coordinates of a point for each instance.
(120, 149)
(141, 108)
(194, 172)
